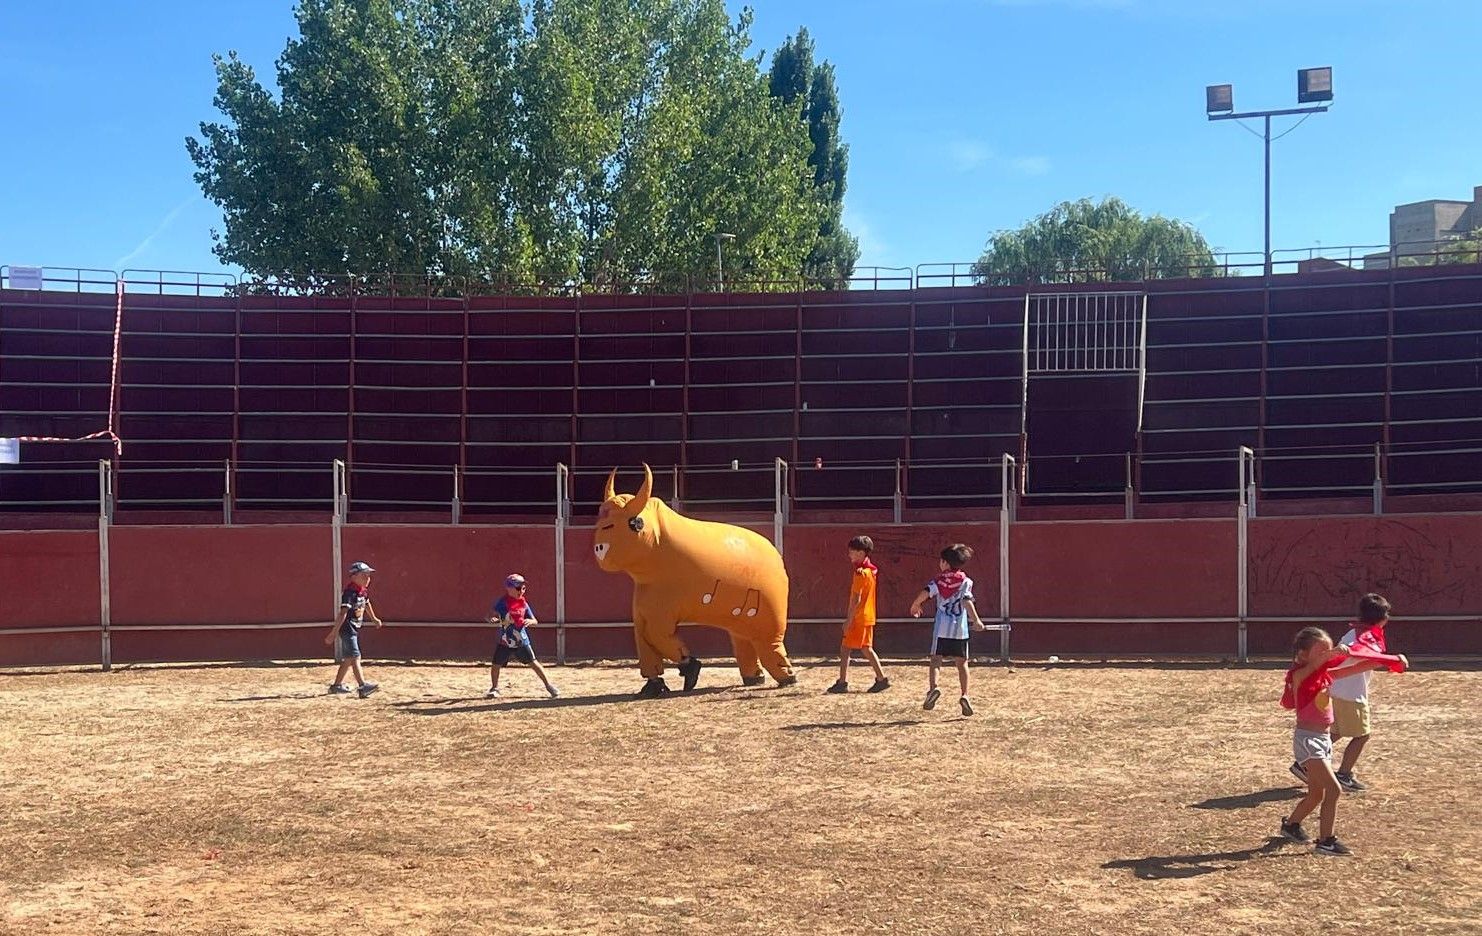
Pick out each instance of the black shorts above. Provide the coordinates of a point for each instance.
(503, 651)
(950, 647)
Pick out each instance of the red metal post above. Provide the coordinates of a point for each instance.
(684, 396)
(575, 373)
(463, 391)
(905, 479)
(236, 385)
(1389, 378)
(350, 393)
(797, 387)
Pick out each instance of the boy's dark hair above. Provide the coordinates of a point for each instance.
(862, 543)
(1373, 608)
(1308, 636)
(957, 555)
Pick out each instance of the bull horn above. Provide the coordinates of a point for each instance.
(607, 491)
(641, 498)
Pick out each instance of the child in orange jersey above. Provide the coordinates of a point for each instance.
(859, 622)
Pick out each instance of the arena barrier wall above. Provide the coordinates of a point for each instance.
(1076, 588)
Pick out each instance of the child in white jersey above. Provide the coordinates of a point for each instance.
(1351, 694)
(952, 591)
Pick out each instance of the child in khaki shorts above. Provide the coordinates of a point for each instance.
(1351, 694)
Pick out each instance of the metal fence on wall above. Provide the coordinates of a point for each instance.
(1342, 383)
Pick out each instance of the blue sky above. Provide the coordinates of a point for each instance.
(963, 117)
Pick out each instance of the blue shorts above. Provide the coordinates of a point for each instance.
(347, 645)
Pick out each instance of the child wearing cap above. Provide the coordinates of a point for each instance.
(344, 635)
(514, 615)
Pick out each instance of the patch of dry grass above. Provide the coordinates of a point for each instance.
(241, 799)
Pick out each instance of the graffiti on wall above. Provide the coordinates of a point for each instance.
(1423, 566)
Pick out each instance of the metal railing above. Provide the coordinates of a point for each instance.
(1217, 263)
(234, 490)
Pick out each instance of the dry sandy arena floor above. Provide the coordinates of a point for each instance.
(1080, 799)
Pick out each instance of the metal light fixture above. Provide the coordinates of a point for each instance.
(1219, 98)
(1313, 85)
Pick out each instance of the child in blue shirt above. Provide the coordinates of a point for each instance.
(514, 615)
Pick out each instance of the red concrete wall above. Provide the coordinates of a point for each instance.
(220, 575)
(448, 573)
(1176, 571)
(1130, 569)
(1426, 565)
(49, 580)
(907, 556)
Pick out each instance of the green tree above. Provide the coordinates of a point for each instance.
(568, 140)
(810, 90)
(1465, 248)
(1086, 241)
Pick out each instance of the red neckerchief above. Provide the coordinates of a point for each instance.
(1316, 681)
(865, 563)
(516, 608)
(1371, 645)
(949, 581)
(359, 589)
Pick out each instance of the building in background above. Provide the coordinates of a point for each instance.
(1415, 229)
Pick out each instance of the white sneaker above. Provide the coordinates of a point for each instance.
(555, 693)
(493, 693)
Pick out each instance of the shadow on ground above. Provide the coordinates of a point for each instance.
(1161, 867)
(1250, 800)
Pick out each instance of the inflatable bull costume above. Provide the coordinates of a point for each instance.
(693, 571)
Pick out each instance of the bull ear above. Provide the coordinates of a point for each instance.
(607, 491)
(640, 500)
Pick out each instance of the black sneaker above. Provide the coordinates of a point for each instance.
(1299, 771)
(837, 688)
(1331, 846)
(756, 680)
(339, 689)
(931, 699)
(880, 685)
(1350, 783)
(967, 707)
(654, 688)
(1292, 831)
(368, 688)
(690, 670)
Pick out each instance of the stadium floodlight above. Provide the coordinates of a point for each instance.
(1313, 84)
(1219, 98)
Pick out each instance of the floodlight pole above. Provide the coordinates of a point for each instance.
(1266, 139)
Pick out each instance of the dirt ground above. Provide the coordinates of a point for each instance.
(1091, 798)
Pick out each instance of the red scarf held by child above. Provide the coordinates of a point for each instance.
(949, 581)
(1316, 681)
(1369, 645)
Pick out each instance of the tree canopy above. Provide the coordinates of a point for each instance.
(810, 90)
(1086, 241)
(595, 141)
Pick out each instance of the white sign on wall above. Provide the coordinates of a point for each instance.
(10, 451)
(25, 277)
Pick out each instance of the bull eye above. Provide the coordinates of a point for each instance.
(636, 524)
